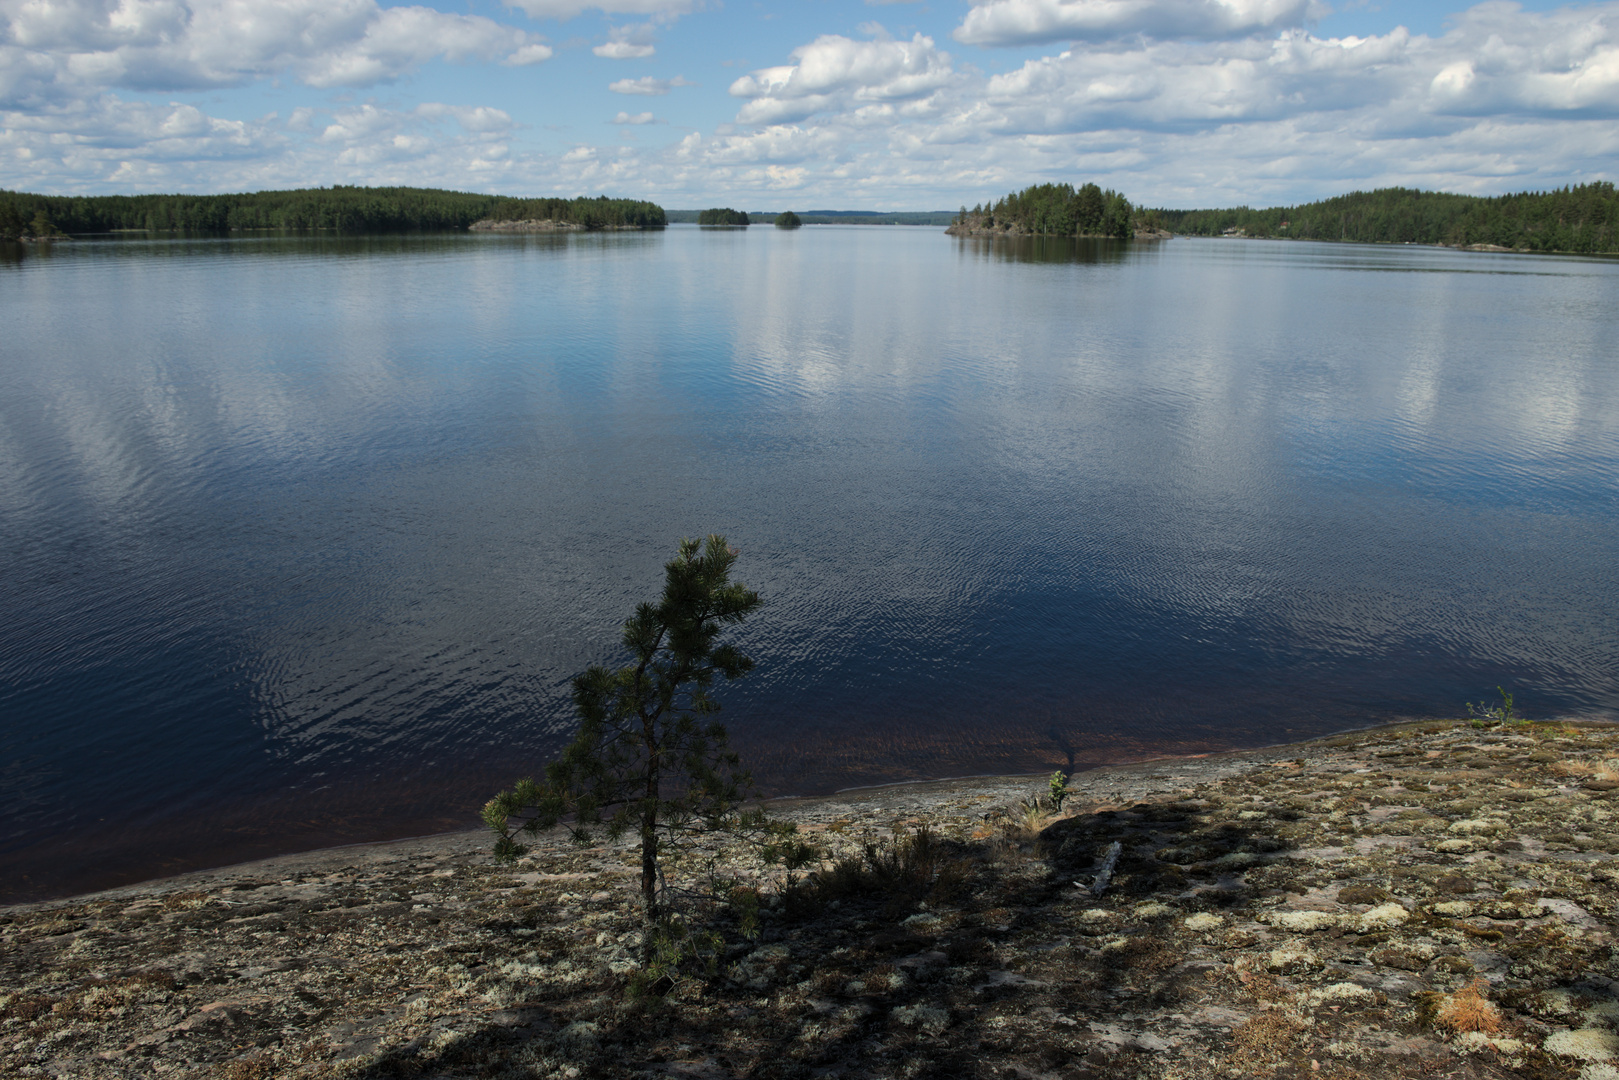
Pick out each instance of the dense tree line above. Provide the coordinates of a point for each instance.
(1571, 219)
(1051, 210)
(339, 209)
(723, 215)
(787, 220)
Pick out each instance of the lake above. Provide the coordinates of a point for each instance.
(301, 539)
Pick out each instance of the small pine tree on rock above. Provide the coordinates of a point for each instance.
(648, 758)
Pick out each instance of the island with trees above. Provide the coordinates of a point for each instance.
(724, 217)
(1050, 210)
(788, 220)
(339, 208)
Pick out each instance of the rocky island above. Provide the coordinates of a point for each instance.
(1428, 899)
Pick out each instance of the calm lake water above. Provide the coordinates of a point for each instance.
(302, 539)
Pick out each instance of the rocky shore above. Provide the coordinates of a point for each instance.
(547, 225)
(543, 226)
(1426, 900)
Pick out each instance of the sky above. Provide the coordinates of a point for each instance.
(810, 104)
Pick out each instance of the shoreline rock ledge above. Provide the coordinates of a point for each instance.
(1422, 900)
(544, 225)
(526, 226)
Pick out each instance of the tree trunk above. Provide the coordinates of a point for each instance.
(649, 869)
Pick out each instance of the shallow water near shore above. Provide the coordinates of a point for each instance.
(302, 538)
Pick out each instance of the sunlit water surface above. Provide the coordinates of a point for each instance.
(302, 539)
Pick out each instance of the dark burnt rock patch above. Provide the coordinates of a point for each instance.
(1418, 901)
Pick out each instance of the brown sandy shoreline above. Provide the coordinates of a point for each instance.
(1427, 899)
(1009, 787)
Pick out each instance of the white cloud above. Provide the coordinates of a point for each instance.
(627, 43)
(623, 50)
(636, 118)
(1397, 84)
(566, 9)
(835, 72)
(56, 50)
(1033, 22)
(647, 85)
(476, 118)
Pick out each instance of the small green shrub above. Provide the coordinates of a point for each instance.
(1485, 712)
(1059, 790)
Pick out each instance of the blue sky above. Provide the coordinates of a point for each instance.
(852, 104)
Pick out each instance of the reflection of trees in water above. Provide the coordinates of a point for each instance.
(1044, 249)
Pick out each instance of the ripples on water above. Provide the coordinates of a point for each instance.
(303, 538)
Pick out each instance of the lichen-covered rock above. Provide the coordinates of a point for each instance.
(1297, 911)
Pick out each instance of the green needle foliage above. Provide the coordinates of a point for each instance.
(649, 759)
(1059, 789)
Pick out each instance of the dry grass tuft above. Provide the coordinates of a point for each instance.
(1467, 1010)
(1267, 1036)
(257, 1068)
(1258, 982)
(1587, 770)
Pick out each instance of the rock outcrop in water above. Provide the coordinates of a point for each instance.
(1424, 900)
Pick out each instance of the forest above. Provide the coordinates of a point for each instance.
(338, 209)
(1050, 210)
(1583, 219)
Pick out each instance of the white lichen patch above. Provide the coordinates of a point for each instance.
(1287, 961)
(581, 1032)
(1343, 993)
(1477, 827)
(1385, 915)
(1587, 1044)
(1556, 1003)
(1304, 922)
(1474, 1042)
(1454, 909)
(926, 1017)
(1152, 909)
(1203, 922)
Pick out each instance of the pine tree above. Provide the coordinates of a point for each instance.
(648, 758)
